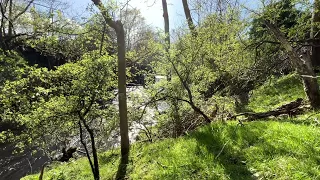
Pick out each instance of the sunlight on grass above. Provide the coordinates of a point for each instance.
(287, 149)
(276, 92)
(267, 150)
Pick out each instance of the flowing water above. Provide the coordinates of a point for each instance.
(15, 166)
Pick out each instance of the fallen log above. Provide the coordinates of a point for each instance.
(293, 108)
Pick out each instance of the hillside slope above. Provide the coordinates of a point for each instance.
(280, 148)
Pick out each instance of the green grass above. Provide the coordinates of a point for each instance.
(267, 150)
(276, 92)
(280, 148)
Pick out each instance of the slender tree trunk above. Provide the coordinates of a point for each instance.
(94, 154)
(185, 84)
(198, 110)
(10, 19)
(189, 18)
(122, 91)
(102, 38)
(95, 164)
(315, 35)
(177, 119)
(122, 95)
(2, 33)
(166, 24)
(42, 170)
(175, 103)
(86, 149)
(302, 64)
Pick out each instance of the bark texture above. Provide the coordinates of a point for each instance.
(166, 23)
(315, 35)
(293, 108)
(118, 27)
(189, 18)
(10, 19)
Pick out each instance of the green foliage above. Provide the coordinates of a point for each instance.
(293, 19)
(224, 59)
(285, 14)
(46, 103)
(12, 67)
(264, 150)
(196, 63)
(57, 35)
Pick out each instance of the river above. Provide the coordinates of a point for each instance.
(15, 166)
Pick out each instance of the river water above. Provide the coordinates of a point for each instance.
(15, 166)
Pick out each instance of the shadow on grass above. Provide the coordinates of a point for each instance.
(113, 158)
(122, 168)
(106, 158)
(232, 161)
(229, 143)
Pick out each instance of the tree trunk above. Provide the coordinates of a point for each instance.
(122, 91)
(118, 27)
(175, 103)
(185, 85)
(198, 110)
(94, 154)
(189, 18)
(102, 38)
(315, 35)
(292, 109)
(10, 19)
(166, 24)
(177, 119)
(93, 170)
(302, 64)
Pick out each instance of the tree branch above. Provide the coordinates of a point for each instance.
(85, 145)
(23, 11)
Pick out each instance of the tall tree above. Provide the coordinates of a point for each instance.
(166, 24)
(9, 15)
(174, 102)
(315, 35)
(184, 82)
(188, 17)
(302, 64)
(10, 18)
(118, 27)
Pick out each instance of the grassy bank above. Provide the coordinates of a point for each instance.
(268, 150)
(279, 148)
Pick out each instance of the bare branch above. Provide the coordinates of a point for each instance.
(23, 11)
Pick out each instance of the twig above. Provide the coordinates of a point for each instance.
(164, 166)
(29, 165)
(222, 149)
(239, 124)
(308, 76)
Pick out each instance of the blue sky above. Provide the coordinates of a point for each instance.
(151, 10)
